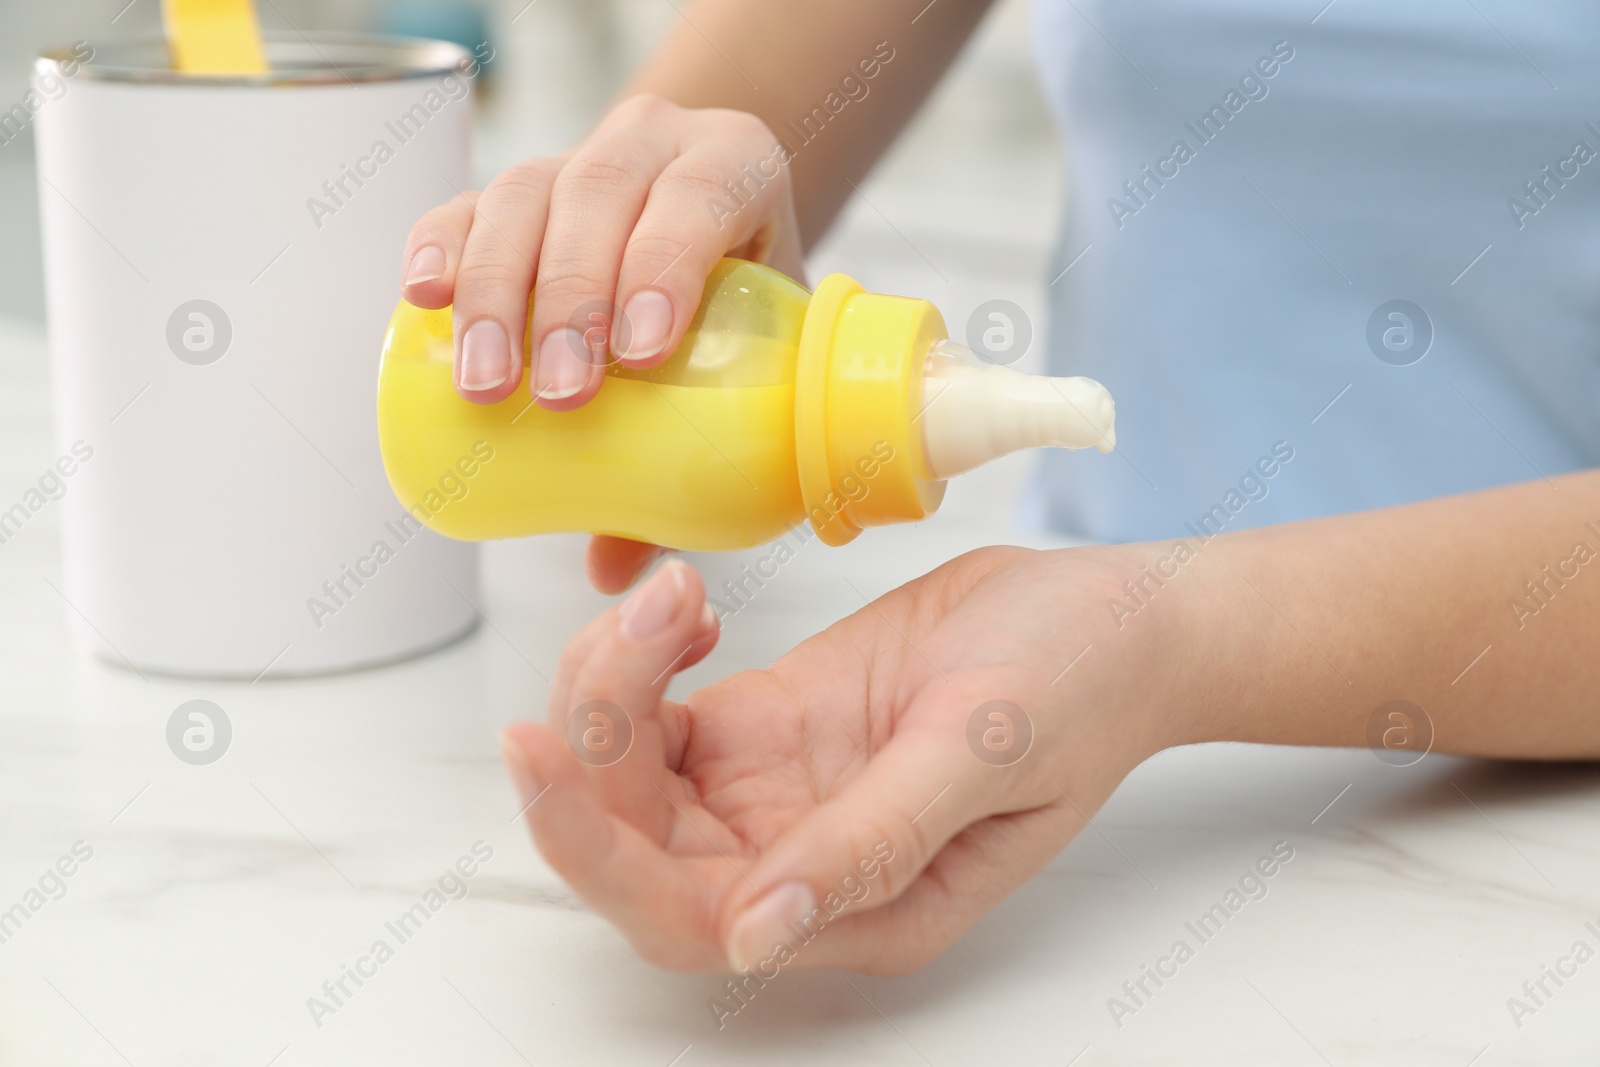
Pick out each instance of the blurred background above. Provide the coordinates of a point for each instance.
(962, 211)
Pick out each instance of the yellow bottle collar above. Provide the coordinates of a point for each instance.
(858, 395)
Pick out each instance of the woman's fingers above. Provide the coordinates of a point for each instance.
(884, 827)
(612, 243)
(654, 898)
(582, 647)
(494, 277)
(606, 807)
(712, 198)
(888, 912)
(433, 252)
(608, 701)
(594, 204)
(616, 241)
(613, 564)
(968, 877)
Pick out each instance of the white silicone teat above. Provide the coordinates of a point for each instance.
(973, 413)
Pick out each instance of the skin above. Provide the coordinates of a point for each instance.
(730, 808)
(693, 842)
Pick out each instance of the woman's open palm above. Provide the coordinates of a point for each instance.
(859, 804)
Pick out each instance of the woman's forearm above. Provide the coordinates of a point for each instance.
(1482, 610)
(816, 73)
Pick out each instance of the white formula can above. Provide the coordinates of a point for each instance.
(222, 254)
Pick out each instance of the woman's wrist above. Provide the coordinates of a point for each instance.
(1187, 640)
(1192, 659)
(1126, 647)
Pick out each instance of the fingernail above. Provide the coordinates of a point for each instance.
(708, 616)
(562, 370)
(485, 356)
(427, 263)
(652, 605)
(522, 776)
(648, 319)
(764, 924)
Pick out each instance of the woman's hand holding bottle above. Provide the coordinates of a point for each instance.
(614, 240)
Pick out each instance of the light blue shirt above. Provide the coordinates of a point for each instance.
(1232, 292)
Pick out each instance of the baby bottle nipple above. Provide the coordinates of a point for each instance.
(974, 412)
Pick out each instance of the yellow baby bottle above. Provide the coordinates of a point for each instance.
(841, 408)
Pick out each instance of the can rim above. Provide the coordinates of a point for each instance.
(302, 59)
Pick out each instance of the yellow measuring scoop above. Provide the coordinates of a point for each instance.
(214, 36)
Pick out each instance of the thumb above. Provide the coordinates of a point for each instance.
(863, 847)
(612, 564)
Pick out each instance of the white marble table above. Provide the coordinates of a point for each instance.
(219, 898)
